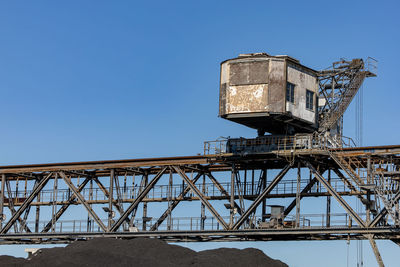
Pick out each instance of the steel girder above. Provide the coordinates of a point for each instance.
(180, 169)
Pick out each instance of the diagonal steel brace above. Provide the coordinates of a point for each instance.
(260, 197)
(83, 201)
(138, 200)
(13, 211)
(332, 191)
(201, 196)
(27, 202)
(174, 204)
(223, 191)
(65, 206)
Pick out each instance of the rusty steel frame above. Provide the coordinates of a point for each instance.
(107, 177)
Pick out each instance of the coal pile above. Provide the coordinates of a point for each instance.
(140, 252)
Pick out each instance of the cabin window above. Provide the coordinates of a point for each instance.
(310, 100)
(290, 92)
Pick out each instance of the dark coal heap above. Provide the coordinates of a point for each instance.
(140, 252)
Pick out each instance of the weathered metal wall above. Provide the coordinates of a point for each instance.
(303, 81)
(244, 87)
(253, 93)
(277, 85)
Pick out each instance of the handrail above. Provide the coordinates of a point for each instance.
(276, 143)
(187, 223)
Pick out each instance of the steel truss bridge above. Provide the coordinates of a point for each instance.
(327, 193)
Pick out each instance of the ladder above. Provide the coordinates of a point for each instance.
(353, 166)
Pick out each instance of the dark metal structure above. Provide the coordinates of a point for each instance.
(311, 186)
(123, 198)
(338, 85)
(277, 94)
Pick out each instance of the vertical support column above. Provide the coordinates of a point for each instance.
(264, 202)
(169, 221)
(11, 201)
(3, 181)
(132, 195)
(16, 190)
(144, 217)
(298, 196)
(133, 188)
(37, 215)
(232, 199)
(203, 208)
(125, 177)
(53, 208)
(328, 203)
(110, 198)
(245, 182)
(89, 222)
(252, 182)
(376, 251)
(369, 181)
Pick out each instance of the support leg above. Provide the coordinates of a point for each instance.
(3, 181)
(328, 203)
(298, 196)
(376, 251)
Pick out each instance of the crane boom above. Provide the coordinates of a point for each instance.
(337, 88)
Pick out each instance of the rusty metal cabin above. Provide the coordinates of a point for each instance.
(274, 94)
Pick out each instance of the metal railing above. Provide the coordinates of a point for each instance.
(218, 146)
(129, 193)
(372, 65)
(271, 143)
(306, 221)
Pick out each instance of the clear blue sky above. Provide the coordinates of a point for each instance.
(89, 80)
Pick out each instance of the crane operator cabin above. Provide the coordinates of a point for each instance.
(274, 94)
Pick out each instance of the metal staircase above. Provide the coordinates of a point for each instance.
(351, 165)
(384, 186)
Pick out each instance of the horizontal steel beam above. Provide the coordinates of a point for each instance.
(221, 235)
(105, 165)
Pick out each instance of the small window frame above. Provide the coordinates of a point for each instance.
(310, 100)
(290, 92)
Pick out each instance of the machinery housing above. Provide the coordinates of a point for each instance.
(274, 94)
